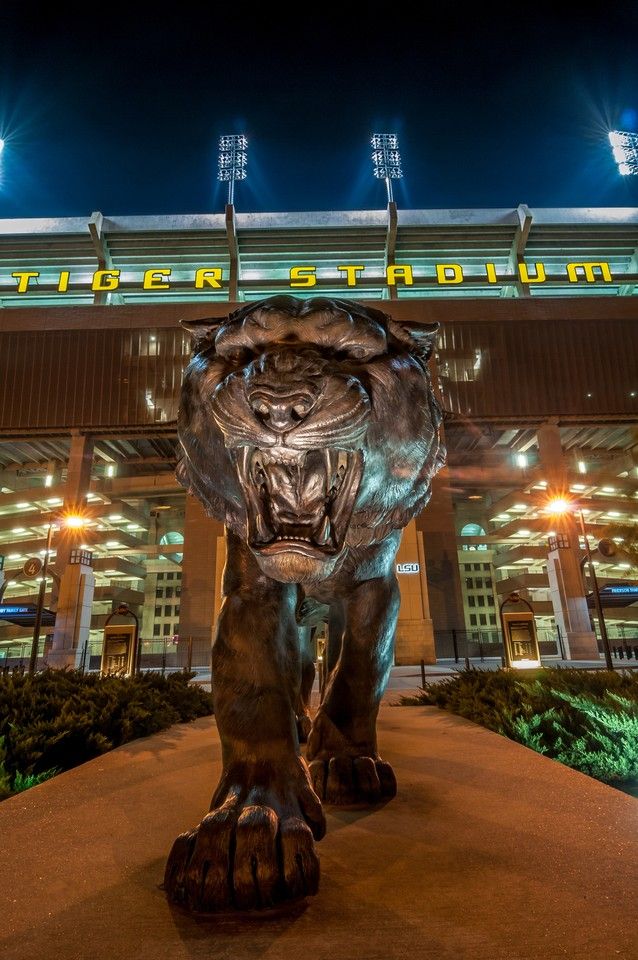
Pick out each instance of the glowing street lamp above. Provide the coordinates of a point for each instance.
(560, 506)
(624, 147)
(232, 161)
(386, 159)
(74, 522)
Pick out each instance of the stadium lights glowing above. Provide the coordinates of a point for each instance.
(624, 147)
(386, 159)
(1, 144)
(232, 161)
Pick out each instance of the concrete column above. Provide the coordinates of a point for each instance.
(73, 616)
(78, 481)
(199, 571)
(566, 586)
(415, 636)
(437, 523)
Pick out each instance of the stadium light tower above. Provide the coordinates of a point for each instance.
(624, 147)
(386, 159)
(232, 161)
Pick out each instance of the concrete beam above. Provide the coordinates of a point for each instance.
(104, 259)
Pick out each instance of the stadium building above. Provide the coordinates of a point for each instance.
(536, 368)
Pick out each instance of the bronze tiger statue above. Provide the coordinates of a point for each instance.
(309, 427)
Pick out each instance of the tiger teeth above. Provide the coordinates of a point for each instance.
(323, 534)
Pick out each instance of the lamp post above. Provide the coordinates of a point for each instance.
(38, 613)
(232, 161)
(561, 506)
(386, 159)
(68, 521)
(624, 146)
(596, 591)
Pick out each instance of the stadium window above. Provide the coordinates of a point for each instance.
(156, 630)
(467, 567)
(471, 601)
(483, 620)
(159, 593)
(167, 629)
(469, 583)
(169, 593)
(473, 619)
(168, 610)
(158, 611)
(481, 601)
(477, 566)
(493, 619)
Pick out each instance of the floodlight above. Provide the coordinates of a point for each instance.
(232, 161)
(624, 147)
(1, 144)
(386, 159)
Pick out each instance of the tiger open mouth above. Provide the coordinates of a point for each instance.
(299, 500)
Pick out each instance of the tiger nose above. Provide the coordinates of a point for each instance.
(278, 412)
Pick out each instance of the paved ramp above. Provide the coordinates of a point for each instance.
(489, 852)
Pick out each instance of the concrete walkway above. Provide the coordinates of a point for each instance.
(489, 852)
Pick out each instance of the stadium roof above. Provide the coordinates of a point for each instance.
(255, 253)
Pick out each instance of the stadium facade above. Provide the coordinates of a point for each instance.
(536, 368)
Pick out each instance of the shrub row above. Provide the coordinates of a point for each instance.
(586, 719)
(57, 719)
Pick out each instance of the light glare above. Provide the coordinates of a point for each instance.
(624, 147)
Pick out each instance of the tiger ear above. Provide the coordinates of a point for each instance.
(419, 335)
(202, 332)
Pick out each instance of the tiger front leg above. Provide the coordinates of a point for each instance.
(256, 847)
(342, 748)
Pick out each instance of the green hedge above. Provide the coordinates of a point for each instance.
(586, 719)
(57, 719)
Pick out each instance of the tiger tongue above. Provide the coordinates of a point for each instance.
(295, 487)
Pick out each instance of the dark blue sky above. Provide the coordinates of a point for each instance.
(124, 116)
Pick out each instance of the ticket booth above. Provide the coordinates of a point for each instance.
(520, 641)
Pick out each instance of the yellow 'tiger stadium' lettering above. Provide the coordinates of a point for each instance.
(155, 279)
(401, 270)
(538, 277)
(303, 276)
(351, 270)
(449, 273)
(588, 268)
(23, 277)
(210, 276)
(106, 280)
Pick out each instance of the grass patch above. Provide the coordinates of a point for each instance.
(586, 719)
(55, 720)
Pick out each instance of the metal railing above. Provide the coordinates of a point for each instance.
(161, 654)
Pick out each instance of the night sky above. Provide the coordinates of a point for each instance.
(124, 116)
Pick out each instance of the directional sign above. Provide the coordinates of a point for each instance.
(32, 567)
(24, 616)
